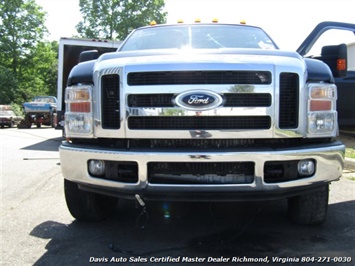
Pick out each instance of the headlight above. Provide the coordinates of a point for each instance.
(320, 123)
(78, 123)
(78, 115)
(322, 115)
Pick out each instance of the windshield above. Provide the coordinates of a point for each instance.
(198, 37)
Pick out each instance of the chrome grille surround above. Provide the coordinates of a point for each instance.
(147, 103)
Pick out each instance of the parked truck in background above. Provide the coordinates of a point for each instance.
(68, 56)
(41, 110)
(203, 112)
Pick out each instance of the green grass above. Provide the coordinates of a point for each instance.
(350, 153)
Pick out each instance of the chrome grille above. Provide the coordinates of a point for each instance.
(288, 113)
(201, 172)
(198, 77)
(110, 95)
(199, 122)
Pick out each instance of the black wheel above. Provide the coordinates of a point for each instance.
(28, 121)
(88, 206)
(310, 208)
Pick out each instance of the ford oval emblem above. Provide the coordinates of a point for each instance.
(199, 100)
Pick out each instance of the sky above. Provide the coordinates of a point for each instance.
(288, 22)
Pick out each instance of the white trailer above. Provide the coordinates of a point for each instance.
(68, 57)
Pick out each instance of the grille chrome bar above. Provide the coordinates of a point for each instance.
(198, 77)
(231, 100)
(199, 122)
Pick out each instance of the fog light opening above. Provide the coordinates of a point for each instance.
(306, 167)
(96, 167)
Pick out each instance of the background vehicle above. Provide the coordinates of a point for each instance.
(42, 110)
(8, 117)
(202, 112)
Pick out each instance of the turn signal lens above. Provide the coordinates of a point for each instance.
(78, 95)
(319, 91)
(79, 107)
(320, 106)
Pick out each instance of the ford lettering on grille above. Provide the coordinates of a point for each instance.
(198, 101)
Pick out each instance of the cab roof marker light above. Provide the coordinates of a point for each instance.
(215, 20)
(180, 21)
(198, 20)
(152, 23)
(243, 22)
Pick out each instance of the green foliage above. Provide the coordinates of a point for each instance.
(21, 28)
(27, 64)
(8, 85)
(350, 153)
(115, 19)
(18, 110)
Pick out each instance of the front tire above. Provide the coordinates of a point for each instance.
(310, 208)
(88, 206)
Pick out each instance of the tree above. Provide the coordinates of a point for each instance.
(21, 28)
(40, 75)
(8, 85)
(27, 64)
(115, 19)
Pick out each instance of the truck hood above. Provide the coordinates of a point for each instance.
(195, 57)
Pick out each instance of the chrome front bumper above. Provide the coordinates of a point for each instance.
(329, 160)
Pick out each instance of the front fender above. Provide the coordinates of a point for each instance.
(82, 73)
(318, 71)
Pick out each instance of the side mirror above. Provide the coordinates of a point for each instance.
(335, 56)
(88, 55)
